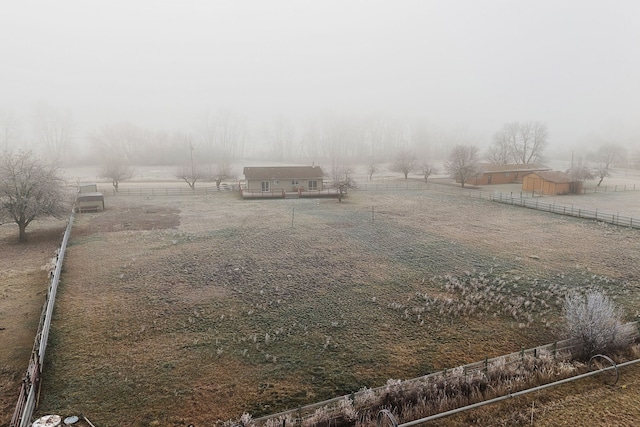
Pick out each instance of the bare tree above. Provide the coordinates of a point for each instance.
(499, 152)
(372, 168)
(427, 170)
(190, 174)
(54, 130)
(342, 179)
(221, 172)
(116, 144)
(606, 157)
(30, 189)
(463, 163)
(525, 141)
(116, 170)
(596, 322)
(404, 162)
(580, 171)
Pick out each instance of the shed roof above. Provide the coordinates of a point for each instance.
(490, 168)
(90, 196)
(557, 177)
(283, 172)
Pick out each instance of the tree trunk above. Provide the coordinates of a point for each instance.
(23, 231)
(600, 182)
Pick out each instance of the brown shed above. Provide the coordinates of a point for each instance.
(505, 174)
(548, 183)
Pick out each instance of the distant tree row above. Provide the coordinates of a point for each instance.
(516, 143)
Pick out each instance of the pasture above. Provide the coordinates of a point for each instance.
(196, 309)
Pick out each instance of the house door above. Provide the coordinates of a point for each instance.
(489, 179)
(265, 186)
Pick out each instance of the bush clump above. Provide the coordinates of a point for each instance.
(595, 321)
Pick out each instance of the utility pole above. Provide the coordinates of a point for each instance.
(192, 168)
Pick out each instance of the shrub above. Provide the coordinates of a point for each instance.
(595, 321)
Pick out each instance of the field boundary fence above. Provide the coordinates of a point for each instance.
(561, 209)
(167, 191)
(29, 390)
(560, 350)
(609, 188)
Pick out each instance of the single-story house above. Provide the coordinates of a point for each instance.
(549, 183)
(89, 199)
(278, 179)
(505, 174)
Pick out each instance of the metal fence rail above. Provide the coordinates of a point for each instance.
(31, 381)
(167, 191)
(611, 218)
(562, 350)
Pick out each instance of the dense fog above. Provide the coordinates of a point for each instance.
(302, 81)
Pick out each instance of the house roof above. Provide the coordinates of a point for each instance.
(533, 167)
(555, 176)
(283, 172)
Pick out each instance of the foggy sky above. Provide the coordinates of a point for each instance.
(573, 64)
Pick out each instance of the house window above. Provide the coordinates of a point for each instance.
(265, 186)
(294, 182)
(507, 174)
(276, 182)
(313, 185)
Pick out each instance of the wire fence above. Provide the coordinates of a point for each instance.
(27, 399)
(559, 350)
(168, 191)
(560, 209)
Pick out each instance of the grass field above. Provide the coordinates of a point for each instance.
(193, 310)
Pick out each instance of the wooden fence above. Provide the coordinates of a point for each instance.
(560, 350)
(31, 381)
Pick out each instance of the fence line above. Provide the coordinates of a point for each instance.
(607, 188)
(608, 217)
(31, 382)
(167, 191)
(562, 350)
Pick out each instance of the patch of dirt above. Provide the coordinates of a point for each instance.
(123, 215)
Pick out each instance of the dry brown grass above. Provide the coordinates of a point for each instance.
(201, 308)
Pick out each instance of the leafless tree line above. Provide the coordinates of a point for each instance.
(519, 143)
